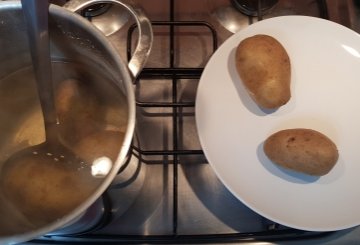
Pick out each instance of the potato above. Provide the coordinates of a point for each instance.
(44, 190)
(302, 150)
(264, 68)
(79, 110)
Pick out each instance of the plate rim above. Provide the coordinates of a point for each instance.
(201, 139)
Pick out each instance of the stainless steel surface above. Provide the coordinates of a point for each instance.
(254, 8)
(88, 220)
(113, 13)
(144, 43)
(204, 205)
(233, 20)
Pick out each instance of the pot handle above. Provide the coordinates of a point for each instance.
(145, 40)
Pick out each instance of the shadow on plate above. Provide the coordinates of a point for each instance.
(295, 177)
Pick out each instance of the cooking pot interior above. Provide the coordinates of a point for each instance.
(92, 106)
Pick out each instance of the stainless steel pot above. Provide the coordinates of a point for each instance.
(73, 40)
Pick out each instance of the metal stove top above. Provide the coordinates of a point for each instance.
(168, 192)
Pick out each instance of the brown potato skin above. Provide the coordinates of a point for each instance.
(264, 67)
(79, 110)
(44, 191)
(302, 150)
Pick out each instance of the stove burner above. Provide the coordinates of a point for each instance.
(253, 8)
(107, 17)
(96, 10)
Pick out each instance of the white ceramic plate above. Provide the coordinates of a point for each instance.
(325, 84)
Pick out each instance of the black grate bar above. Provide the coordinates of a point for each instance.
(323, 9)
(172, 24)
(169, 73)
(191, 23)
(259, 10)
(167, 152)
(265, 236)
(165, 104)
(174, 119)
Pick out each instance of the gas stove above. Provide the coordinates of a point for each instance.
(167, 191)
